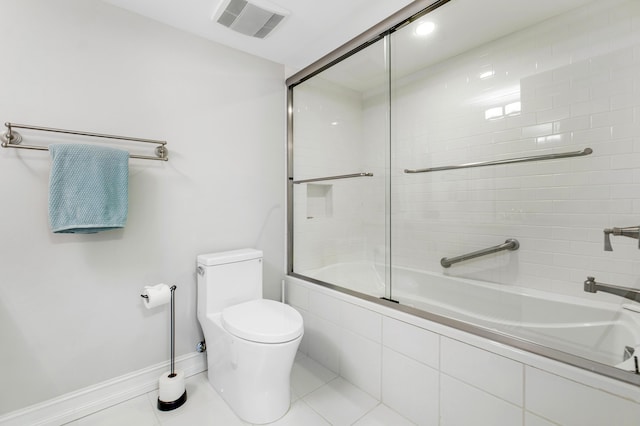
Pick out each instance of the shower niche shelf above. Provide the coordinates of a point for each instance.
(319, 201)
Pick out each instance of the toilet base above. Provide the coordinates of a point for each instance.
(172, 405)
(252, 378)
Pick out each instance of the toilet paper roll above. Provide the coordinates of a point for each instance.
(171, 388)
(157, 295)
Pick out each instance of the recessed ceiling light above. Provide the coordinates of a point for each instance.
(425, 28)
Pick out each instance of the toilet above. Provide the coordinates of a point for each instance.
(251, 342)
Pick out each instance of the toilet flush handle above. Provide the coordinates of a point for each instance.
(200, 270)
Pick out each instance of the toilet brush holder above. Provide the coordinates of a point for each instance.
(171, 389)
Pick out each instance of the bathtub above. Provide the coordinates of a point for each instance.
(593, 330)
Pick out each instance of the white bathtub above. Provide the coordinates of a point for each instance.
(594, 330)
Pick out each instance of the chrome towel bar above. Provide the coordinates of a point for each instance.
(13, 139)
(510, 244)
(585, 151)
(353, 175)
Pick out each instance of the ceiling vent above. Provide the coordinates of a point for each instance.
(256, 18)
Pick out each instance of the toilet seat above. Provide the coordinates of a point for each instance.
(263, 321)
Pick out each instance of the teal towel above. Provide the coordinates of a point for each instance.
(88, 188)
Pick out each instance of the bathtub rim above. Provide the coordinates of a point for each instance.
(519, 291)
(511, 289)
(482, 332)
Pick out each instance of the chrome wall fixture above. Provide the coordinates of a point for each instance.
(353, 175)
(591, 286)
(585, 151)
(510, 244)
(629, 231)
(12, 139)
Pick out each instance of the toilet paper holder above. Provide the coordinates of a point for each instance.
(172, 288)
(181, 399)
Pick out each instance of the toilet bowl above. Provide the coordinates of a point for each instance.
(251, 342)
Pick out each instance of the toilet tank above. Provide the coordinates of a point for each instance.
(228, 278)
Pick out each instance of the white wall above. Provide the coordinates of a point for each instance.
(70, 311)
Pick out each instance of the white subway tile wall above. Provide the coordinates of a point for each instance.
(467, 405)
(360, 356)
(410, 387)
(420, 345)
(497, 375)
(565, 84)
(581, 405)
(573, 78)
(533, 420)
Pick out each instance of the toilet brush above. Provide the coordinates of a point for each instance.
(171, 390)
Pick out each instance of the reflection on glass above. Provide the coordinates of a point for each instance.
(500, 92)
(340, 122)
(558, 78)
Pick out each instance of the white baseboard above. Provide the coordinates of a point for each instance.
(74, 405)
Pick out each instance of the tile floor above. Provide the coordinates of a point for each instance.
(318, 397)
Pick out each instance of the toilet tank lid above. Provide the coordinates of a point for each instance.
(232, 256)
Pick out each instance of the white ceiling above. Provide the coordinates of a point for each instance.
(461, 25)
(313, 28)
(317, 27)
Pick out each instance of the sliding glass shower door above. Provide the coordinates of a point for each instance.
(465, 166)
(339, 180)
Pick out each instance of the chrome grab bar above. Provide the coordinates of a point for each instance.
(353, 175)
(591, 286)
(585, 151)
(510, 244)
